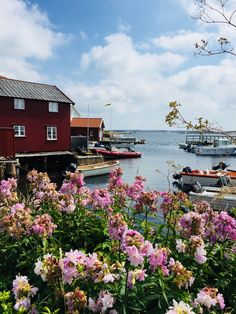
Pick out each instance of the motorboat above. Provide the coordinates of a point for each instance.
(220, 147)
(219, 199)
(115, 153)
(98, 169)
(91, 165)
(218, 177)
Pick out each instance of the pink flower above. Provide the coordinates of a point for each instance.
(180, 246)
(225, 226)
(101, 198)
(220, 301)
(134, 256)
(23, 291)
(43, 225)
(132, 237)
(209, 297)
(116, 226)
(200, 255)
(137, 274)
(104, 302)
(146, 248)
(72, 183)
(192, 224)
(115, 179)
(158, 258)
(70, 265)
(135, 190)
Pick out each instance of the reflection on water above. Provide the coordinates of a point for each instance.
(99, 180)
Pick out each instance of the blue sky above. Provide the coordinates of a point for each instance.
(135, 54)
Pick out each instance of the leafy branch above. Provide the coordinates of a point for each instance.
(215, 12)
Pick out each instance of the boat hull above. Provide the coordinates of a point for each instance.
(116, 154)
(98, 169)
(226, 203)
(208, 179)
(215, 151)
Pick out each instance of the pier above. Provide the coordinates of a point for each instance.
(199, 139)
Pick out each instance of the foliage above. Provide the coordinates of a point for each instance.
(175, 118)
(121, 249)
(219, 12)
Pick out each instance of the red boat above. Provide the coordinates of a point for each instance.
(116, 154)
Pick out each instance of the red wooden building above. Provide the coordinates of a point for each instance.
(91, 127)
(38, 113)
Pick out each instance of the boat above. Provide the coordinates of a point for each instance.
(220, 147)
(98, 169)
(115, 153)
(219, 199)
(206, 177)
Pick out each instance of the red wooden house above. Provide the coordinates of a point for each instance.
(38, 113)
(90, 127)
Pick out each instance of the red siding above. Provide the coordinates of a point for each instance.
(7, 142)
(93, 133)
(36, 118)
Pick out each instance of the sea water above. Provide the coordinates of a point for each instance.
(161, 150)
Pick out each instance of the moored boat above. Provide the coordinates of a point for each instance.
(97, 169)
(219, 199)
(206, 177)
(220, 147)
(116, 154)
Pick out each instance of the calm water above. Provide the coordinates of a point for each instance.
(160, 147)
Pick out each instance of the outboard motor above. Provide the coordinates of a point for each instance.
(221, 166)
(72, 167)
(196, 187)
(177, 185)
(177, 176)
(223, 181)
(187, 170)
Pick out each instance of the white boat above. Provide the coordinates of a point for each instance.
(216, 177)
(219, 199)
(220, 147)
(98, 169)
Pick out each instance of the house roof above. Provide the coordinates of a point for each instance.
(87, 122)
(30, 90)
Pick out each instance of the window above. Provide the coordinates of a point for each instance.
(19, 130)
(52, 106)
(51, 133)
(19, 103)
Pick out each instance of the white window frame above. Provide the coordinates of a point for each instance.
(19, 130)
(19, 103)
(53, 106)
(51, 133)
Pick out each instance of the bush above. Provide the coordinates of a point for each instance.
(116, 250)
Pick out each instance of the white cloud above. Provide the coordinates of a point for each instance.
(188, 6)
(182, 40)
(120, 51)
(25, 33)
(140, 85)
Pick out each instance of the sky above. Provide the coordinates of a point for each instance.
(137, 55)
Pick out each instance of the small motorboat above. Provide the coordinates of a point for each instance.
(98, 169)
(217, 178)
(115, 153)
